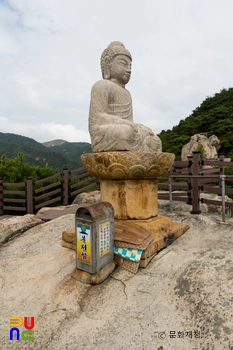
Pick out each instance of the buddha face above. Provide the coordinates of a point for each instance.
(120, 70)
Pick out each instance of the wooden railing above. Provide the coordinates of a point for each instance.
(193, 177)
(186, 181)
(59, 189)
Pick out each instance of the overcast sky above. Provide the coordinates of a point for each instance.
(50, 57)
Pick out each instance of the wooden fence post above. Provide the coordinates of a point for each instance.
(29, 194)
(195, 184)
(1, 196)
(65, 176)
(190, 164)
(222, 158)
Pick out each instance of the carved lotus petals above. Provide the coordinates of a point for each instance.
(137, 172)
(118, 171)
(127, 165)
(154, 169)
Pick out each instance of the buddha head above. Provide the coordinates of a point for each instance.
(115, 51)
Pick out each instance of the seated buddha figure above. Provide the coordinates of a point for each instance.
(111, 124)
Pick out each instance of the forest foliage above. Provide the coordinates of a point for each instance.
(213, 116)
(17, 170)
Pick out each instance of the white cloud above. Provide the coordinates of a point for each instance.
(42, 131)
(65, 131)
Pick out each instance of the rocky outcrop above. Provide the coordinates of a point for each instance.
(182, 300)
(210, 145)
(10, 228)
(87, 197)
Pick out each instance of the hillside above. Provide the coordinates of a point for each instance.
(54, 143)
(71, 150)
(38, 154)
(213, 116)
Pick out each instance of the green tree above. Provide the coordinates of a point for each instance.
(200, 148)
(16, 170)
(213, 116)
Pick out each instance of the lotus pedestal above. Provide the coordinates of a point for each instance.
(129, 182)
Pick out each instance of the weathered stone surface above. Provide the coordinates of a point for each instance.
(16, 225)
(68, 238)
(111, 123)
(186, 287)
(128, 234)
(211, 146)
(61, 207)
(50, 213)
(127, 165)
(91, 197)
(68, 245)
(97, 278)
(68, 235)
(131, 199)
(164, 232)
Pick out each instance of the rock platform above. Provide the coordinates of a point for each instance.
(182, 300)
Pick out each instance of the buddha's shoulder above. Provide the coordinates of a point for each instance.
(103, 84)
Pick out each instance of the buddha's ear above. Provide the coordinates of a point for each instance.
(107, 72)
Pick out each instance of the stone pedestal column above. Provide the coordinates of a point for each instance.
(131, 199)
(129, 182)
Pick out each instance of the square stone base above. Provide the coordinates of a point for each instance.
(164, 232)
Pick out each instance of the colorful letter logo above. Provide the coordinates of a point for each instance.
(16, 322)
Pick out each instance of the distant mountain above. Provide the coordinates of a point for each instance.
(54, 143)
(56, 153)
(71, 150)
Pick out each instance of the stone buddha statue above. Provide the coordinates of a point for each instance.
(111, 124)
